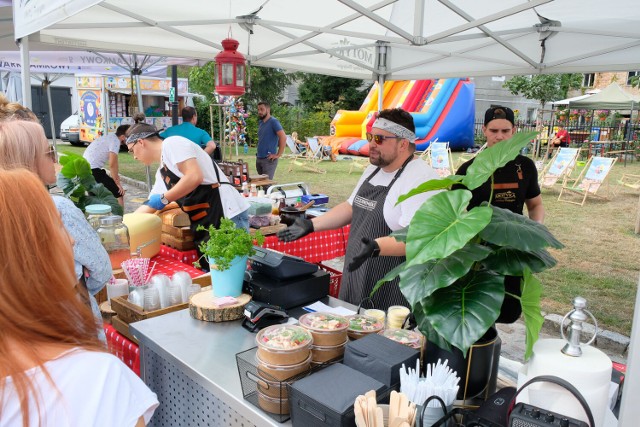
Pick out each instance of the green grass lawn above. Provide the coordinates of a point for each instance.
(599, 261)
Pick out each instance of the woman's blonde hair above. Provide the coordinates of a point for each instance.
(38, 301)
(13, 110)
(21, 142)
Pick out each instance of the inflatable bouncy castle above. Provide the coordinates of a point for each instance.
(443, 110)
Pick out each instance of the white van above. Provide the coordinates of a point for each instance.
(70, 130)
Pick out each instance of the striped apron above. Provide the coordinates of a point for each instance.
(368, 221)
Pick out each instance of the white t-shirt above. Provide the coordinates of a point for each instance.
(416, 172)
(177, 149)
(91, 389)
(97, 153)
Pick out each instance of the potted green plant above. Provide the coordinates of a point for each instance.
(79, 185)
(457, 259)
(227, 250)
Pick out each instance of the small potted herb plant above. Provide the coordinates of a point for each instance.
(227, 250)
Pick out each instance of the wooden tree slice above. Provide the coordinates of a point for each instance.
(106, 311)
(202, 307)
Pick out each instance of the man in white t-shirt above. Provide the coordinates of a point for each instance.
(187, 176)
(105, 149)
(372, 211)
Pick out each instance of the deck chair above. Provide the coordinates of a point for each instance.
(439, 158)
(295, 153)
(589, 181)
(359, 163)
(561, 164)
(314, 155)
(630, 180)
(465, 157)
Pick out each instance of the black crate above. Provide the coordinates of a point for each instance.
(252, 382)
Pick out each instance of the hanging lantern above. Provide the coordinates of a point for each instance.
(230, 67)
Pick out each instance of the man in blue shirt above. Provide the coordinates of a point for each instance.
(189, 130)
(271, 141)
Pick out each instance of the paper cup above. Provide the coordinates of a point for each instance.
(119, 288)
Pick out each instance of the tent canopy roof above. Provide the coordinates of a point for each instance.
(611, 98)
(423, 38)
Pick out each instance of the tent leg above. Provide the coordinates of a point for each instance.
(47, 82)
(26, 72)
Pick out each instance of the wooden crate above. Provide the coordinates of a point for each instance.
(176, 243)
(123, 328)
(175, 217)
(129, 313)
(182, 233)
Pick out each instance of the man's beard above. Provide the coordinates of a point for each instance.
(262, 116)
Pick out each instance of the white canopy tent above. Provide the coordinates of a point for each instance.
(366, 39)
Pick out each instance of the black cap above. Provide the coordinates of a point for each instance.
(499, 112)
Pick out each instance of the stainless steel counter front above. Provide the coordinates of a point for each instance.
(190, 364)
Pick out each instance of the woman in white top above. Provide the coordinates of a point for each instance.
(54, 371)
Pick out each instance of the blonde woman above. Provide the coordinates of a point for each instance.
(53, 369)
(23, 145)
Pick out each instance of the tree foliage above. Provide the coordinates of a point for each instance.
(345, 93)
(544, 87)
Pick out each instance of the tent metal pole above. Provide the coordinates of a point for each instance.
(25, 72)
(47, 83)
(381, 67)
(174, 103)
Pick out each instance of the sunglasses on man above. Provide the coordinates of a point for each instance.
(379, 139)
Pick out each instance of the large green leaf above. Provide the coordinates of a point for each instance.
(74, 165)
(424, 326)
(487, 161)
(431, 185)
(420, 281)
(517, 231)
(442, 225)
(100, 195)
(513, 262)
(530, 301)
(400, 235)
(463, 312)
(388, 277)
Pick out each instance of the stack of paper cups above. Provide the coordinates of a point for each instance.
(380, 315)
(120, 287)
(396, 315)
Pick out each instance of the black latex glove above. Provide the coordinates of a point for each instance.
(369, 249)
(300, 228)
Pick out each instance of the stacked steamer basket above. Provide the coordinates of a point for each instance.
(329, 335)
(284, 351)
(361, 325)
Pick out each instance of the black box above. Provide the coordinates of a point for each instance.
(326, 398)
(289, 293)
(380, 358)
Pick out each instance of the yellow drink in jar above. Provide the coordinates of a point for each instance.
(396, 315)
(379, 315)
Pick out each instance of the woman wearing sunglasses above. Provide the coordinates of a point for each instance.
(23, 144)
(372, 211)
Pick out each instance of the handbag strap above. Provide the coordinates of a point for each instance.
(558, 381)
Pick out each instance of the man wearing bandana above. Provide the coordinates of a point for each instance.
(372, 211)
(514, 186)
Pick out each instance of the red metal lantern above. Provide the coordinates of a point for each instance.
(230, 67)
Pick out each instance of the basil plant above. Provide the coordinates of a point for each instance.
(457, 258)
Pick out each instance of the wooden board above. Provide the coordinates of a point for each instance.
(176, 243)
(271, 229)
(175, 217)
(202, 307)
(122, 327)
(183, 233)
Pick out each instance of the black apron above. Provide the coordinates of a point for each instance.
(203, 205)
(368, 221)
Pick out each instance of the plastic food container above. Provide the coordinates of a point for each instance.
(272, 372)
(273, 405)
(327, 329)
(361, 325)
(407, 337)
(322, 354)
(283, 345)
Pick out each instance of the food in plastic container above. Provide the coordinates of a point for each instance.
(361, 325)
(407, 337)
(322, 354)
(272, 372)
(273, 405)
(283, 344)
(327, 329)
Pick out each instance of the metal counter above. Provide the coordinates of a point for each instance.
(191, 365)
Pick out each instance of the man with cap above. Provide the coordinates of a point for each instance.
(372, 211)
(514, 186)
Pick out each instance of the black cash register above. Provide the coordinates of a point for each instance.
(283, 280)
